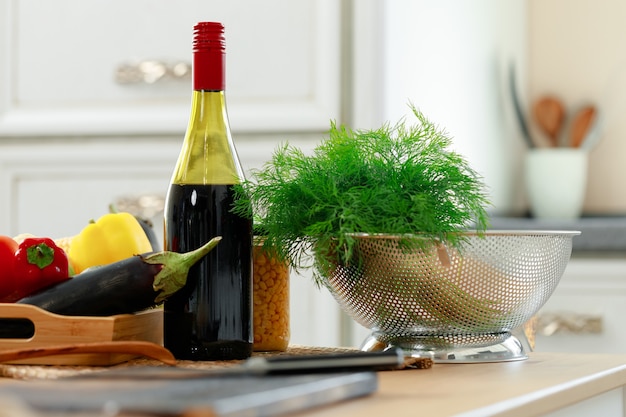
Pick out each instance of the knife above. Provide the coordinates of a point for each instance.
(278, 365)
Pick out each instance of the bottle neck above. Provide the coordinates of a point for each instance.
(208, 71)
(208, 112)
(208, 155)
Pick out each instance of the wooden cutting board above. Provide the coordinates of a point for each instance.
(222, 396)
(28, 327)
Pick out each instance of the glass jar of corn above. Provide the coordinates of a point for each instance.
(271, 301)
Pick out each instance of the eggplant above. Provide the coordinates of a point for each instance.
(123, 287)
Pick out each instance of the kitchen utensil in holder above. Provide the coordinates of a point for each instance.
(455, 305)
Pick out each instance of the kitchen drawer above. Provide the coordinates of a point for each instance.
(54, 187)
(586, 312)
(59, 64)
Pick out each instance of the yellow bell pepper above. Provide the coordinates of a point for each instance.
(113, 237)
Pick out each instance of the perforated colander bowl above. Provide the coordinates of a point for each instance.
(451, 303)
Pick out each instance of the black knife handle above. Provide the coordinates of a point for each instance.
(336, 362)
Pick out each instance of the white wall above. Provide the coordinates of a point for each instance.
(450, 58)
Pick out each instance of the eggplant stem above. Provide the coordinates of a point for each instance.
(173, 275)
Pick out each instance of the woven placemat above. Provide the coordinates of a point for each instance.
(55, 371)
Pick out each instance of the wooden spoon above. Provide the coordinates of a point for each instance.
(135, 347)
(580, 125)
(549, 114)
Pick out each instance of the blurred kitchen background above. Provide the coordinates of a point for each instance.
(94, 100)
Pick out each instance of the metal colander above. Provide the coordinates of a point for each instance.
(438, 298)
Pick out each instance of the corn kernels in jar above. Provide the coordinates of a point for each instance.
(271, 302)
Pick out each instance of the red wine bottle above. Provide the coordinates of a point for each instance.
(210, 318)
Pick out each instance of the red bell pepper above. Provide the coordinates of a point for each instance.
(39, 263)
(8, 247)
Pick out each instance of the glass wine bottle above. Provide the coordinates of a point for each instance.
(210, 318)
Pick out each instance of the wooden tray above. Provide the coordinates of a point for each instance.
(39, 328)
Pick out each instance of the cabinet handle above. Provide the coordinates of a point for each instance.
(145, 206)
(549, 324)
(151, 71)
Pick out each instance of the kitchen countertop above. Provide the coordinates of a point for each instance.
(541, 384)
(553, 384)
(599, 234)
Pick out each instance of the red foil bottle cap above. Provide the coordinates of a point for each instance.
(209, 49)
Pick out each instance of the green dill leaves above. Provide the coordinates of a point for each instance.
(397, 179)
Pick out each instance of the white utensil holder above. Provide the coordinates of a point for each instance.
(556, 180)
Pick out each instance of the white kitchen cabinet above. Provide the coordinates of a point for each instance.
(73, 138)
(59, 60)
(53, 188)
(586, 312)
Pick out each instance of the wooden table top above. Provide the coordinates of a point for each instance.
(543, 383)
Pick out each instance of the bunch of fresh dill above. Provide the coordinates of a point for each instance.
(400, 179)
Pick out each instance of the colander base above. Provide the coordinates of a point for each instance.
(500, 347)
